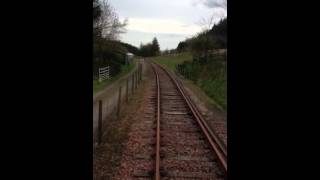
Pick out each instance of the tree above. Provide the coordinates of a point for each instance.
(96, 10)
(182, 46)
(108, 22)
(150, 49)
(206, 24)
(155, 47)
(107, 50)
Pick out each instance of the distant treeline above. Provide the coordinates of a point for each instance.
(145, 50)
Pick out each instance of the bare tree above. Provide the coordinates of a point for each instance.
(109, 23)
(206, 23)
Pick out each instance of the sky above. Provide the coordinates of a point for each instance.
(170, 21)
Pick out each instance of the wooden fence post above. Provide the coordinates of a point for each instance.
(136, 80)
(119, 103)
(127, 90)
(140, 72)
(100, 123)
(132, 84)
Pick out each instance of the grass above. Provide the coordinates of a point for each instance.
(172, 61)
(202, 95)
(217, 90)
(97, 86)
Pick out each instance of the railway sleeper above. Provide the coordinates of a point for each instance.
(143, 173)
(191, 175)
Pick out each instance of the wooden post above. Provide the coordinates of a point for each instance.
(140, 72)
(132, 84)
(127, 90)
(100, 123)
(138, 76)
(136, 80)
(119, 103)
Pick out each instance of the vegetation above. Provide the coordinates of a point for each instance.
(211, 77)
(172, 61)
(210, 38)
(150, 49)
(107, 49)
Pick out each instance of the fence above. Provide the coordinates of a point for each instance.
(109, 102)
(104, 73)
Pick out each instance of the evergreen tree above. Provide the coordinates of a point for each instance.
(155, 47)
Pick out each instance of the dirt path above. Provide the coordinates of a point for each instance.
(110, 156)
(140, 135)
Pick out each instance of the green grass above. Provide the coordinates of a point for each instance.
(172, 61)
(217, 90)
(212, 79)
(97, 86)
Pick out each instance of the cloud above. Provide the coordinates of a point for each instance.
(212, 3)
(167, 26)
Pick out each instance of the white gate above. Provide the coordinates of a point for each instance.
(104, 73)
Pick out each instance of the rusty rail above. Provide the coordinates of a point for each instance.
(157, 165)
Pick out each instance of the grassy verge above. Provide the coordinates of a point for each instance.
(97, 86)
(216, 89)
(202, 95)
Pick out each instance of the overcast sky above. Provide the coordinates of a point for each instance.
(171, 21)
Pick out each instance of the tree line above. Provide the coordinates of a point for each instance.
(150, 49)
(212, 37)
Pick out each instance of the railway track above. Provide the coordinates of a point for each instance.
(179, 143)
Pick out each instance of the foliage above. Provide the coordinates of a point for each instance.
(214, 38)
(211, 77)
(150, 49)
(130, 48)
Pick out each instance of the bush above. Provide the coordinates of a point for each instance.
(211, 77)
(108, 53)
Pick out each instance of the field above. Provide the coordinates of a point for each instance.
(172, 61)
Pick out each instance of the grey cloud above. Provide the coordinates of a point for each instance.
(212, 3)
(216, 3)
